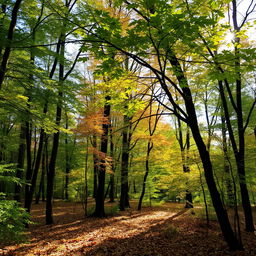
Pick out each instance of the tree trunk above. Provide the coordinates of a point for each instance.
(112, 175)
(55, 145)
(208, 171)
(34, 167)
(67, 163)
(3, 10)
(228, 183)
(20, 164)
(184, 149)
(95, 166)
(29, 171)
(124, 198)
(149, 148)
(85, 196)
(239, 156)
(134, 187)
(99, 200)
(189, 199)
(204, 196)
(41, 185)
(221, 212)
(9, 40)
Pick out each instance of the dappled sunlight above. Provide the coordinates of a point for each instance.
(161, 231)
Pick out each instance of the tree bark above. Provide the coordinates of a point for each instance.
(67, 169)
(124, 197)
(95, 166)
(221, 212)
(228, 183)
(149, 148)
(112, 175)
(41, 185)
(29, 171)
(239, 157)
(20, 164)
(9, 40)
(100, 196)
(55, 145)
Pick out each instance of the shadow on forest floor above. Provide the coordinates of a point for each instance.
(160, 231)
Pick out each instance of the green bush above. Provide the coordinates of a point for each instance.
(13, 220)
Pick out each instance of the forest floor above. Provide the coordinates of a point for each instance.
(155, 231)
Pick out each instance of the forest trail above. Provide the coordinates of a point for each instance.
(159, 231)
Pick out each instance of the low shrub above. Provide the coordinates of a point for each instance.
(13, 221)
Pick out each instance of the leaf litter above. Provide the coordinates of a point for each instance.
(154, 231)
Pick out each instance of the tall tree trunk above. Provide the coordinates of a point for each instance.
(100, 196)
(134, 187)
(34, 167)
(208, 171)
(112, 175)
(239, 157)
(29, 171)
(29, 198)
(124, 197)
(55, 145)
(189, 197)
(184, 149)
(221, 212)
(9, 40)
(85, 196)
(67, 169)
(204, 196)
(41, 185)
(151, 128)
(20, 164)
(95, 166)
(3, 12)
(228, 183)
(149, 148)
(239, 151)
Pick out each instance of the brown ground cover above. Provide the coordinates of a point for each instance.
(154, 231)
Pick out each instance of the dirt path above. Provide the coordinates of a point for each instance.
(159, 231)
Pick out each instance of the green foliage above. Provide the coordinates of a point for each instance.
(7, 172)
(13, 219)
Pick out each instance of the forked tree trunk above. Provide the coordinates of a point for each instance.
(216, 199)
(228, 233)
(239, 157)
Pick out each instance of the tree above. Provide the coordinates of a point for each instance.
(152, 32)
(152, 125)
(9, 39)
(100, 195)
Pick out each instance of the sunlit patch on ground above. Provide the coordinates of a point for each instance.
(162, 231)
